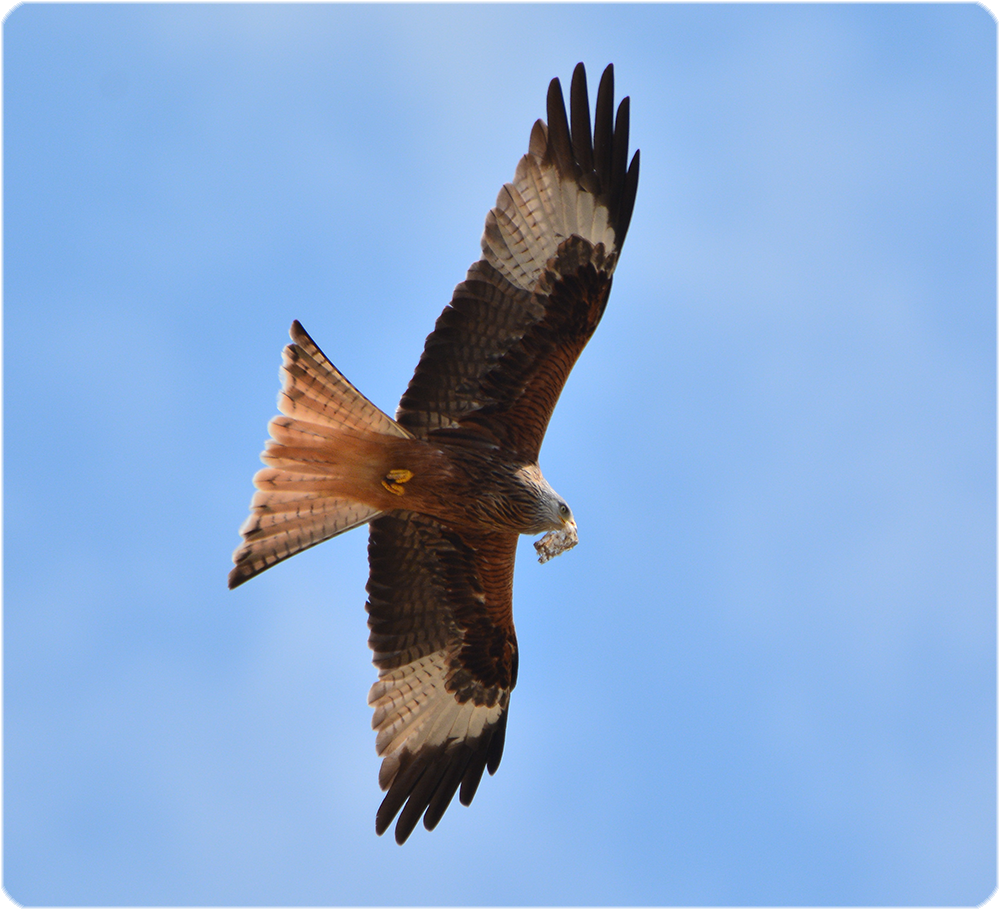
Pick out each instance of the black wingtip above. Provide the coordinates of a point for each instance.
(298, 334)
(597, 157)
(604, 125)
(579, 112)
(628, 195)
(236, 577)
(560, 144)
(495, 752)
(426, 782)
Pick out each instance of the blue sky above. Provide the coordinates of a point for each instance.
(767, 673)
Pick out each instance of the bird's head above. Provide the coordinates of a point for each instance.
(549, 512)
(562, 534)
(558, 514)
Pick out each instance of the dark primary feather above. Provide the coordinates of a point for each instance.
(604, 125)
(580, 118)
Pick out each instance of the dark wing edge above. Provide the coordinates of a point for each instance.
(572, 185)
(596, 162)
(443, 642)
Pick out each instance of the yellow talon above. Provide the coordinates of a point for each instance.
(395, 479)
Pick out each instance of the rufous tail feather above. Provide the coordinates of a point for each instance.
(327, 446)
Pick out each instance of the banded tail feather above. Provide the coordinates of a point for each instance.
(327, 447)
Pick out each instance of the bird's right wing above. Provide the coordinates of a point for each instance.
(498, 357)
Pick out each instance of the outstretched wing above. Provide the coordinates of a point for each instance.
(441, 628)
(499, 355)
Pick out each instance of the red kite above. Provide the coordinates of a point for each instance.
(448, 486)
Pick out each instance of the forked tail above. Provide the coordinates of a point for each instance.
(327, 447)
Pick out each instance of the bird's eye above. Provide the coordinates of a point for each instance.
(563, 509)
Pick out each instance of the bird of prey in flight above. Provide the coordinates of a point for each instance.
(448, 485)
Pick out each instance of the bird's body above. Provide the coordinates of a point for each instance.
(449, 484)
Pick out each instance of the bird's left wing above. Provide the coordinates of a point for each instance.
(439, 606)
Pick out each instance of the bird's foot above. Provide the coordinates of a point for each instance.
(395, 479)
